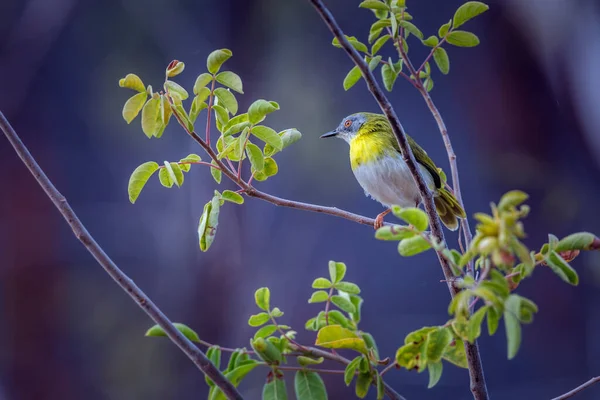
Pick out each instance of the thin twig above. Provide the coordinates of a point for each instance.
(141, 299)
(578, 389)
(388, 368)
(478, 386)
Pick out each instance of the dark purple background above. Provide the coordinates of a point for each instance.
(522, 111)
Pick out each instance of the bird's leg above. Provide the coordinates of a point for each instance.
(379, 219)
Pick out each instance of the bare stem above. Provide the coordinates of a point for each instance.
(388, 368)
(578, 389)
(140, 298)
(478, 386)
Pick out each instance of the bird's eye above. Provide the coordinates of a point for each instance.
(347, 123)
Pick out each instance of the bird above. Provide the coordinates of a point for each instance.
(380, 170)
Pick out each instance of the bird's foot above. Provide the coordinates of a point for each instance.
(379, 219)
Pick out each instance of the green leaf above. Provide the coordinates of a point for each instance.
(435, 373)
(132, 81)
(207, 227)
(221, 114)
(455, 353)
(171, 174)
(188, 332)
(138, 179)
(176, 169)
(389, 77)
(337, 271)
(258, 319)
(229, 129)
(575, 241)
(174, 68)
(231, 80)
(173, 88)
(308, 385)
(512, 199)
(474, 325)
(235, 377)
(438, 340)
(133, 106)
(255, 155)
(232, 360)
(512, 308)
(467, 11)
(288, 137)
(352, 77)
(462, 39)
(215, 172)
(319, 296)
(380, 388)
(374, 5)
(363, 383)
(202, 80)
(412, 246)
(164, 178)
(268, 135)
(227, 99)
(395, 232)
(180, 112)
(562, 268)
(274, 390)
(216, 59)
(412, 215)
(441, 60)
(374, 62)
(214, 355)
(265, 331)
(354, 42)
(343, 303)
(409, 27)
(262, 298)
(151, 120)
(196, 107)
(259, 109)
(493, 317)
(379, 44)
(190, 158)
(306, 361)
(232, 197)
(350, 370)
(321, 283)
(338, 337)
(443, 31)
(347, 287)
(431, 41)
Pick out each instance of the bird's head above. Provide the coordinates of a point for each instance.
(353, 125)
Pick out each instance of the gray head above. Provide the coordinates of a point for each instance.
(348, 128)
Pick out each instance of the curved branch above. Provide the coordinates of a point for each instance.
(578, 389)
(142, 300)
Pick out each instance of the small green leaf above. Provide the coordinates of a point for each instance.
(288, 137)
(207, 227)
(222, 115)
(175, 88)
(133, 106)
(231, 80)
(214, 355)
(431, 41)
(562, 268)
(512, 199)
(202, 80)
(259, 109)
(467, 11)
(575, 241)
(308, 385)
(380, 388)
(343, 303)
(347, 287)
(182, 114)
(171, 173)
(319, 296)
(354, 42)
(352, 77)
(235, 377)
(338, 337)
(455, 353)
(232, 197)
(394, 232)
(474, 325)
(255, 155)
(188, 332)
(215, 172)
(262, 298)
(216, 59)
(227, 99)
(379, 44)
(258, 319)
(412, 215)
(274, 390)
(428, 83)
(437, 343)
(132, 81)
(389, 77)
(363, 383)
(435, 373)
(443, 31)
(493, 317)
(174, 68)
(409, 27)
(321, 283)
(512, 325)
(374, 5)
(441, 60)
(350, 370)
(462, 39)
(190, 158)
(151, 120)
(305, 361)
(164, 178)
(336, 317)
(413, 246)
(268, 135)
(138, 179)
(337, 271)
(265, 331)
(177, 172)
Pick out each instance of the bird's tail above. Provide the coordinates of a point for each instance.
(448, 208)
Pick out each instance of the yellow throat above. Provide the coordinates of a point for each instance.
(365, 149)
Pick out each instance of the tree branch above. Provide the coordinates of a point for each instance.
(141, 299)
(578, 389)
(478, 386)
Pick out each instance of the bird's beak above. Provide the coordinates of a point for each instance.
(329, 134)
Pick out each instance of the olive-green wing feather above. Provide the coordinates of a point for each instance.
(423, 159)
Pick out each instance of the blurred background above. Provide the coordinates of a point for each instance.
(521, 109)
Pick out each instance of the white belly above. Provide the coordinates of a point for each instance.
(389, 181)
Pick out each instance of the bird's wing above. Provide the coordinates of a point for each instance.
(426, 161)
